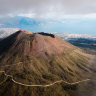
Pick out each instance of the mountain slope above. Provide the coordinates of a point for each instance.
(40, 58)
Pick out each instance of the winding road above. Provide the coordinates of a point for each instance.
(11, 65)
(48, 85)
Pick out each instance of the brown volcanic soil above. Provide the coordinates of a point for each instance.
(29, 43)
(42, 45)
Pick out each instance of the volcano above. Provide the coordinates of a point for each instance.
(33, 44)
(39, 58)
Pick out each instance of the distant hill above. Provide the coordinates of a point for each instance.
(83, 41)
(68, 36)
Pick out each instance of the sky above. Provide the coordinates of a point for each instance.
(70, 16)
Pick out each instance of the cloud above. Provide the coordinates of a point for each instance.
(47, 8)
(4, 32)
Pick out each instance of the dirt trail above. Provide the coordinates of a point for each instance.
(48, 85)
(92, 63)
(11, 65)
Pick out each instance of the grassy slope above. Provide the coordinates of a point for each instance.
(40, 71)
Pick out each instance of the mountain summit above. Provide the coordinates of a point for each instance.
(37, 44)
